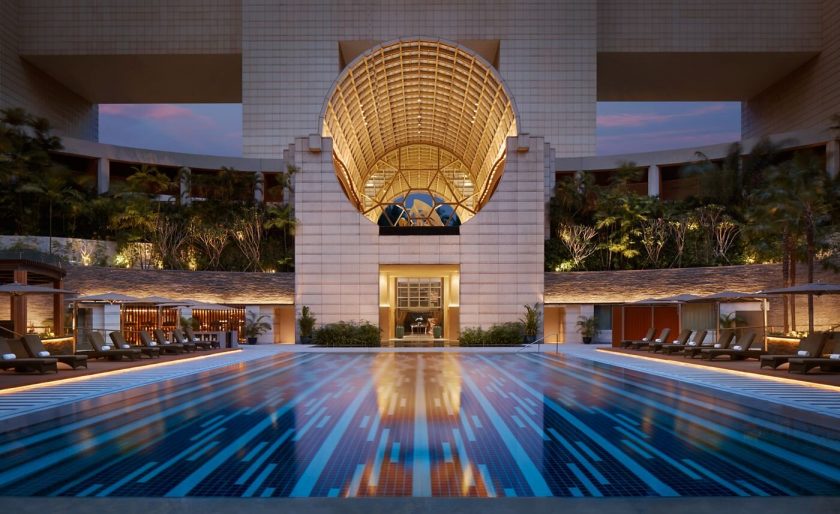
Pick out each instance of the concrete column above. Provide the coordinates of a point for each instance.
(103, 176)
(259, 187)
(18, 304)
(832, 157)
(185, 186)
(654, 180)
(58, 309)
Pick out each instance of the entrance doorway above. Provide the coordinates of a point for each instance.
(419, 310)
(419, 301)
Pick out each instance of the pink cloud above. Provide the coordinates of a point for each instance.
(644, 119)
(662, 140)
(154, 112)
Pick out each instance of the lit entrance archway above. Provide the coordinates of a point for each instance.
(419, 129)
(419, 298)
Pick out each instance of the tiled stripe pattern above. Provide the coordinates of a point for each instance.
(419, 424)
(14, 403)
(804, 396)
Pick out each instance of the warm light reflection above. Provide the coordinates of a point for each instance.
(69, 380)
(791, 381)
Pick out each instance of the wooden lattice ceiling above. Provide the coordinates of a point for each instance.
(419, 114)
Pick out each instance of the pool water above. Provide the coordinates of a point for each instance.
(424, 424)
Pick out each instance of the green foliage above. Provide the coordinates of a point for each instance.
(306, 321)
(504, 334)
(759, 206)
(587, 326)
(531, 320)
(473, 336)
(39, 196)
(347, 334)
(731, 320)
(193, 323)
(255, 325)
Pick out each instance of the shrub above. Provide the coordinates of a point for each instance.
(504, 334)
(347, 334)
(475, 336)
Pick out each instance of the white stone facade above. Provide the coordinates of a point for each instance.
(338, 251)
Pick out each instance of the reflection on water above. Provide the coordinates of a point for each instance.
(436, 424)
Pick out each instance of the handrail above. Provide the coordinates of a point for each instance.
(538, 342)
(11, 332)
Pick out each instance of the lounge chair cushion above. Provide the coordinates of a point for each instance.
(803, 353)
(737, 348)
(644, 339)
(105, 348)
(152, 343)
(692, 343)
(9, 356)
(44, 354)
(658, 340)
(125, 346)
(835, 356)
(718, 345)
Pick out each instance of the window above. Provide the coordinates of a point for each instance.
(603, 314)
(419, 292)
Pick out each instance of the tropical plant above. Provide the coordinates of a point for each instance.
(792, 209)
(587, 326)
(306, 322)
(255, 325)
(248, 235)
(731, 320)
(579, 240)
(191, 322)
(531, 320)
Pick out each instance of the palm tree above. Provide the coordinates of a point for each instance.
(793, 205)
(282, 218)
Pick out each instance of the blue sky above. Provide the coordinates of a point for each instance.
(623, 127)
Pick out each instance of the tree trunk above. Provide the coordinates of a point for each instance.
(810, 260)
(792, 258)
(785, 283)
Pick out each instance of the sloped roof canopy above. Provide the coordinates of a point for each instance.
(419, 114)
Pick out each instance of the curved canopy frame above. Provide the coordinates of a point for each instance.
(419, 114)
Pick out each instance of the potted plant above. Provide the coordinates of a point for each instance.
(588, 328)
(255, 326)
(306, 322)
(531, 322)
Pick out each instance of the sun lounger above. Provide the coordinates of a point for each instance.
(828, 361)
(14, 356)
(680, 340)
(103, 350)
(739, 349)
(119, 342)
(663, 338)
(695, 339)
(627, 342)
(214, 343)
(35, 348)
(180, 338)
(163, 343)
(810, 346)
(723, 341)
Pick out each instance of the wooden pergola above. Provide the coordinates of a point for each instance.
(32, 268)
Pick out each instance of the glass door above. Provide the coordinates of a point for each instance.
(419, 306)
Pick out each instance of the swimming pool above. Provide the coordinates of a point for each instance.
(425, 424)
